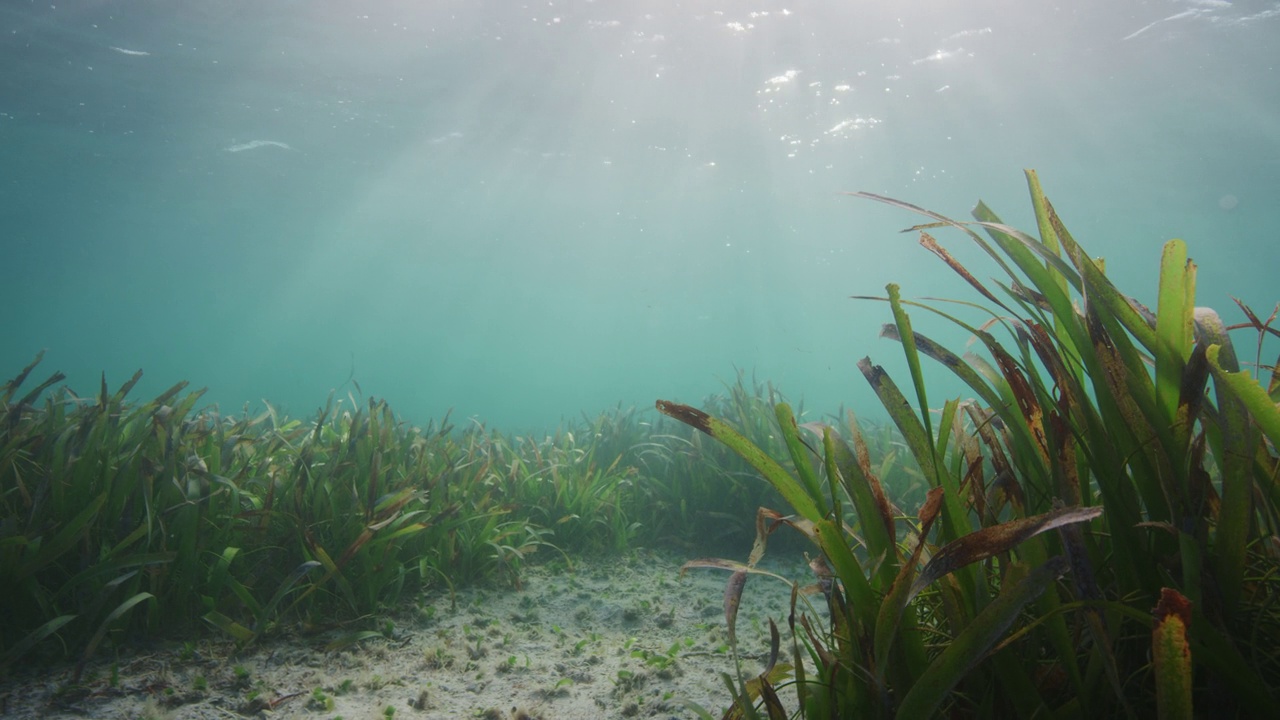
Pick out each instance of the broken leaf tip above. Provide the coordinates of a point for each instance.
(1173, 602)
(690, 416)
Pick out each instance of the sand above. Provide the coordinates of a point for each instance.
(612, 638)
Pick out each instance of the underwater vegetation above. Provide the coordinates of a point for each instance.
(123, 520)
(1095, 532)
(1100, 535)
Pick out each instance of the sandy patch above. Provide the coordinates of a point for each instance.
(619, 638)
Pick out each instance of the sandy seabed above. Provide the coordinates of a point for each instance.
(618, 638)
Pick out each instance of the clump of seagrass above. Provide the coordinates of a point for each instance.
(1113, 460)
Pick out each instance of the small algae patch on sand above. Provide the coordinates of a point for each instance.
(612, 638)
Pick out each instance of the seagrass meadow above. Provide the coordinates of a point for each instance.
(1090, 531)
(122, 516)
(614, 359)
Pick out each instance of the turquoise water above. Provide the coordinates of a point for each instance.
(525, 211)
